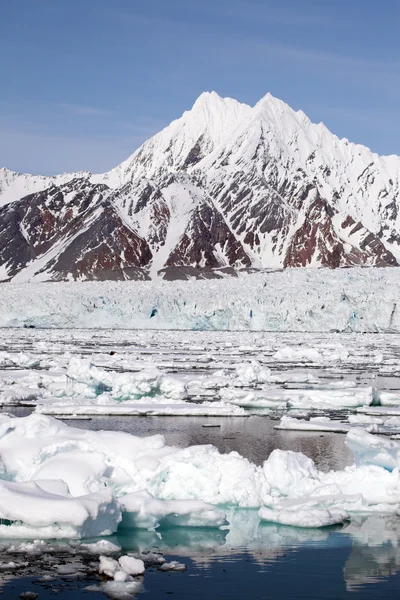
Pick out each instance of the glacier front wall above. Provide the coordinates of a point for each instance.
(304, 300)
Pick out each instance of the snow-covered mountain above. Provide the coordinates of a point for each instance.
(225, 186)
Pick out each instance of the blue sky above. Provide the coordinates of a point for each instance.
(84, 82)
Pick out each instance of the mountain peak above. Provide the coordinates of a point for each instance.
(206, 98)
(226, 184)
(214, 100)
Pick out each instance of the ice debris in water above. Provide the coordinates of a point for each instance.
(303, 516)
(61, 482)
(122, 590)
(318, 355)
(75, 386)
(132, 566)
(89, 380)
(172, 566)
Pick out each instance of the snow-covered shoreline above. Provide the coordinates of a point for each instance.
(294, 300)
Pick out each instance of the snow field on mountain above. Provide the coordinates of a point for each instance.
(302, 300)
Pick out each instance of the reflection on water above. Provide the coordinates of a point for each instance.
(355, 557)
(253, 437)
(248, 560)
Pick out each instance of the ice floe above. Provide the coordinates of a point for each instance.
(314, 424)
(61, 482)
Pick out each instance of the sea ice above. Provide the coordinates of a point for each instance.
(316, 355)
(172, 566)
(132, 566)
(314, 424)
(373, 450)
(303, 516)
(61, 482)
(122, 590)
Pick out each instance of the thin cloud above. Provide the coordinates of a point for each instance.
(85, 111)
(29, 152)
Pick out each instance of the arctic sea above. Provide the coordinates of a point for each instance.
(250, 559)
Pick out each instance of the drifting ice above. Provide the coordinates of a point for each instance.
(57, 481)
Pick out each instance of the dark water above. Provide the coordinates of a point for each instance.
(333, 567)
(253, 437)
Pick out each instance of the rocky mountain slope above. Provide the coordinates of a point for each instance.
(226, 186)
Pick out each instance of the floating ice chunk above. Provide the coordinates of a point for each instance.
(33, 548)
(132, 566)
(304, 354)
(20, 359)
(69, 568)
(391, 422)
(89, 380)
(153, 407)
(172, 566)
(389, 398)
(361, 419)
(11, 565)
(104, 547)
(273, 399)
(310, 399)
(122, 590)
(201, 472)
(152, 559)
(122, 576)
(108, 566)
(294, 378)
(298, 354)
(332, 399)
(303, 517)
(252, 373)
(373, 450)
(314, 424)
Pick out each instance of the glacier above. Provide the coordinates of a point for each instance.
(293, 300)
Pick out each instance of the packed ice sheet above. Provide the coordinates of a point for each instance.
(83, 388)
(69, 385)
(61, 482)
(314, 300)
